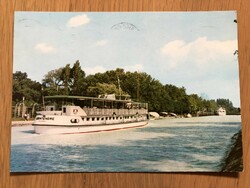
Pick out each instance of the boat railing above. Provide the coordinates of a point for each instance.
(49, 112)
(108, 112)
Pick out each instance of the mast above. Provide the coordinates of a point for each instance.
(119, 88)
(138, 88)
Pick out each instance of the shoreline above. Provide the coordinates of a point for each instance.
(233, 161)
(30, 122)
(21, 123)
(24, 135)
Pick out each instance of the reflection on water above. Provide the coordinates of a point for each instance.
(195, 144)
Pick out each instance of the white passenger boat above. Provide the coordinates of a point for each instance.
(221, 111)
(76, 114)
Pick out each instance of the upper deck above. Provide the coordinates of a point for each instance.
(96, 106)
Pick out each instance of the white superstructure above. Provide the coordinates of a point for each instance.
(74, 114)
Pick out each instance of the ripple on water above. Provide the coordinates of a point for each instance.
(195, 144)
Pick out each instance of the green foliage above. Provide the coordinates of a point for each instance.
(77, 79)
(52, 82)
(102, 88)
(65, 81)
(139, 85)
(25, 88)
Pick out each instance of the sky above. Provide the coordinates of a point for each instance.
(194, 50)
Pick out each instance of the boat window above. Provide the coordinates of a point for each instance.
(102, 118)
(74, 120)
(88, 119)
(83, 119)
(93, 119)
(97, 119)
(120, 117)
(64, 109)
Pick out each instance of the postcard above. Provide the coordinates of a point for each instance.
(126, 92)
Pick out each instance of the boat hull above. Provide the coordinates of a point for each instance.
(58, 129)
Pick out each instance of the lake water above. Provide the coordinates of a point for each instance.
(190, 144)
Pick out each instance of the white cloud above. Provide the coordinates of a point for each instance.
(93, 70)
(199, 52)
(101, 69)
(202, 66)
(175, 49)
(78, 20)
(101, 43)
(45, 48)
(135, 67)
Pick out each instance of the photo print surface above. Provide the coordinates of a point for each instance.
(126, 92)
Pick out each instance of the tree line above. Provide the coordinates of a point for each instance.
(139, 85)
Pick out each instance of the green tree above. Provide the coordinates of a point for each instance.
(195, 103)
(139, 85)
(25, 88)
(113, 77)
(66, 79)
(77, 79)
(213, 106)
(103, 88)
(52, 82)
(179, 100)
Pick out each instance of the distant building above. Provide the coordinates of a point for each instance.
(221, 111)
